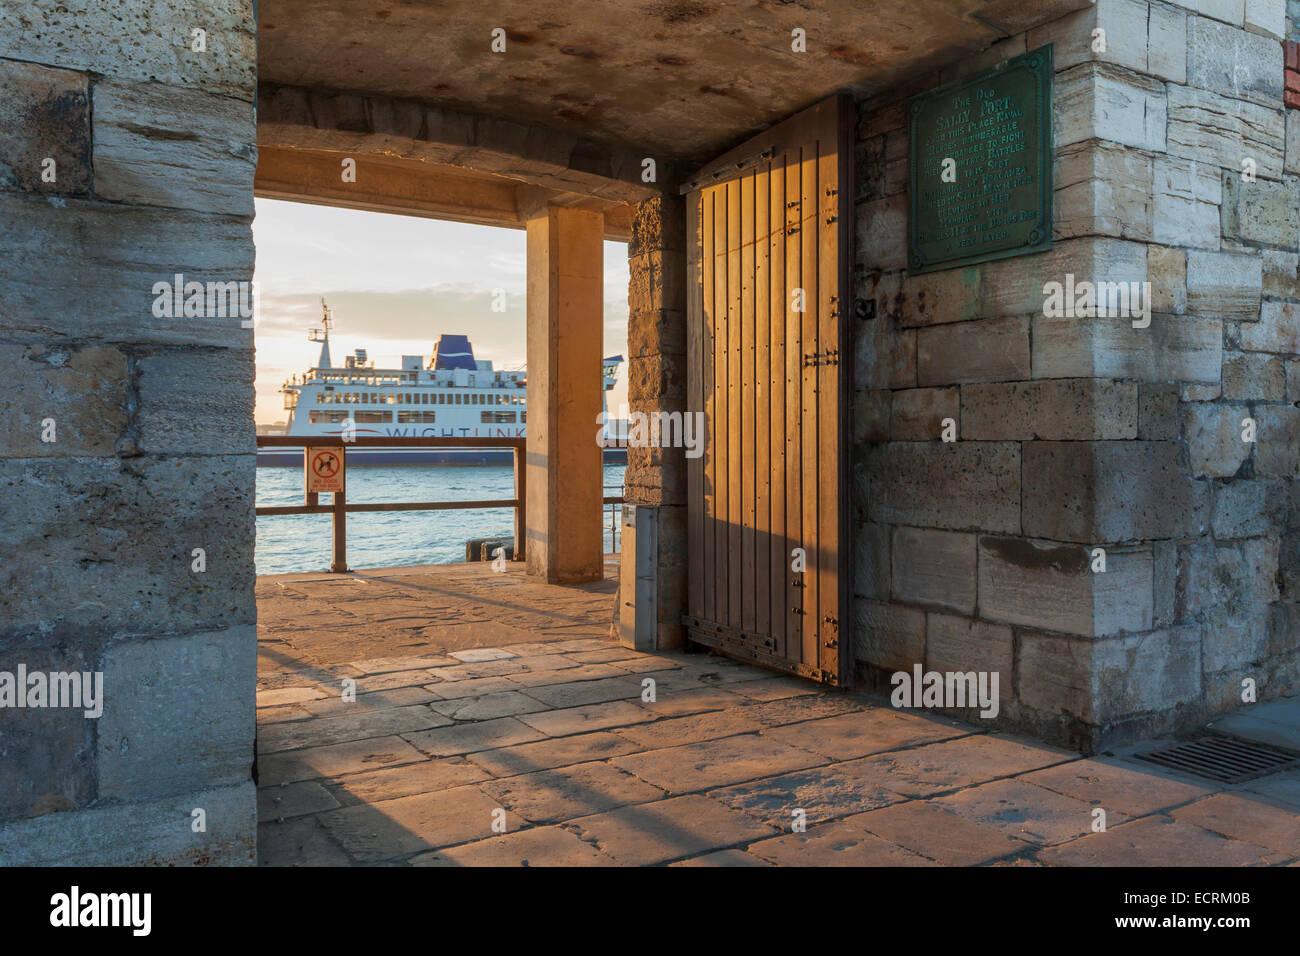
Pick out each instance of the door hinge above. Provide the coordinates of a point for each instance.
(829, 357)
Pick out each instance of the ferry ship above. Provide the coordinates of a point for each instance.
(453, 396)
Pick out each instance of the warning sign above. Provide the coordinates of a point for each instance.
(324, 470)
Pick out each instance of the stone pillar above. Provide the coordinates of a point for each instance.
(127, 457)
(656, 342)
(565, 334)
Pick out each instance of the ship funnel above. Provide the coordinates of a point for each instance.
(453, 352)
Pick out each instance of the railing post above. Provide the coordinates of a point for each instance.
(340, 521)
(521, 496)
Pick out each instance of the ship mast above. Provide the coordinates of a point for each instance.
(322, 335)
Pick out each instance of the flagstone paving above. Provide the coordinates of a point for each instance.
(559, 751)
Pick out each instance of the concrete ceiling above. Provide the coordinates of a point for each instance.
(681, 79)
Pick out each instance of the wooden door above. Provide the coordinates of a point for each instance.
(769, 259)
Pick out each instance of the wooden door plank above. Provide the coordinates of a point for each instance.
(780, 562)
(721, 484)
(762, 403)
(828, 398)
(694, 404)
(748, 436)
(734, 400)
(846, 123)
(809, 237)
(793, 403)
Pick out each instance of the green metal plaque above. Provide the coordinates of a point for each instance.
(980, 166)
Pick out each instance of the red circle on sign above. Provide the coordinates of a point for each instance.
(326, 465)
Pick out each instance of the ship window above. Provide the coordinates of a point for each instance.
(416, 418)
(327, 418)
(392, 398)
(497, 418)
(523, 416)
(374, 418)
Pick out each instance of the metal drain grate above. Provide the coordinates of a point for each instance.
(1225, 759)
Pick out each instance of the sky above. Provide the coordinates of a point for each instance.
(394, 284)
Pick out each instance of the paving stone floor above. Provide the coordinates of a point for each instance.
(555, 739)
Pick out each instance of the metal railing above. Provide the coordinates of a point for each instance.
(339, 508)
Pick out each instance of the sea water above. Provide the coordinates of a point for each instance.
(385, 539)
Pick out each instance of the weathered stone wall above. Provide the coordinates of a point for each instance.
(656, 344)
(154, 147)
(1076, 434)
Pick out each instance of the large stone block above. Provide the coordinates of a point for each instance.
(1186, 198)
(959, 486)
(174, 417)
(1174, 348)
(144, 833)
(1125, 23)
(990, 350)
(107, 544)
(44, 115)
(888, 636)
(1224, 284)
(1222, 131)
(1229, 11)
(145, 42)
(871, 411)
(1102, 681)
(1293, 141)
(1277, 331)
(1102, 190)
(1261, 213)
(1232, 62)
(1167, 43)
(1015, 287)
(82, 393)
(178, 714)
(1053, 586)
(1277, 451)
(1214, 439)
(1253, 376)
(935, 568)
(85, 269)
(917, 414)
(882, 233)
(1167, 273)
(656, 280)
(1055, 410)
(885, 357)
(1266, 17)
(1227, 581)
(871, 560)
(1098, 101)
(1281, 273)
(48, 752)
(1158, 412)
(1244, 509)
(1099, 492)
(659, 224)
(161, 145)
(953, 295)
(959, 645)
